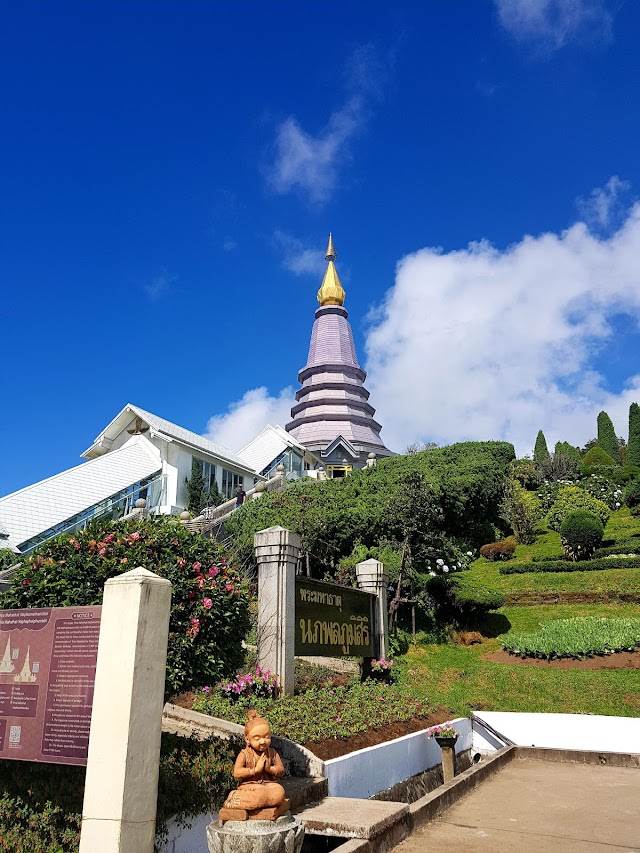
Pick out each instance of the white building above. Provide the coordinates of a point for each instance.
(138, 455)
(274, 445)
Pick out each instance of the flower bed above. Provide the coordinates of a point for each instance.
(576, 638)
(322, 713)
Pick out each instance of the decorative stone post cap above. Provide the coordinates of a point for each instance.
(141, 503)
(280, 467)
(185, 516)
(136, 576)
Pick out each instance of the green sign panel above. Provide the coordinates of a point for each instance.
(333, 621)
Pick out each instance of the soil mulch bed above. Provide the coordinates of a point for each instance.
(618, 660)
(334, 747)
(528, 598)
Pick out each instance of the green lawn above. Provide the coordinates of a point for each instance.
(458, 678)
(614, 581)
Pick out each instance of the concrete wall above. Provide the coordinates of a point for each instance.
(368, 771)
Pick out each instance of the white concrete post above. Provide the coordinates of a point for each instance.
(372, 577)
(121, 787)
(277, 553)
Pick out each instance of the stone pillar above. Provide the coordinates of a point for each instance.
(277, 552)
(372, 577)
(121, 788)
(448, 761)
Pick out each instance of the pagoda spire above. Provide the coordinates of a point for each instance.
(331, 291)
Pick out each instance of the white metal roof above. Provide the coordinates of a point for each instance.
(164, 427)
(37, 508)
(266, 446)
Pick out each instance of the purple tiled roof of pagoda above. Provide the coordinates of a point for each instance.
(332, 339)
(332, 400)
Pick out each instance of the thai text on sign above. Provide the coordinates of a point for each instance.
(333, 621)
(47, 675)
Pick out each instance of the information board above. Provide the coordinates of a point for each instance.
(333, 621)
(47, 675)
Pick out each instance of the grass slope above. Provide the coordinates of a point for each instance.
(621, 525)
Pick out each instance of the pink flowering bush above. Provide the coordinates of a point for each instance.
(260, 683)
(209, 605)
(382, 670)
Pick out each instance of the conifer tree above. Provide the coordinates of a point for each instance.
(607, 439)
(195, 488)
(541, 451)
(633, 448)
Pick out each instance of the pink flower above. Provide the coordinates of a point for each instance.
(191, 595)
(213, 571)
(195, 621)
(201, 583)
(207, 603)
(135, 536)
(206, 690)
(102, 552)
(197, 566)
(76, 545)
(181, 562)
(229, 587)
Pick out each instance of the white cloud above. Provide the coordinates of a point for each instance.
(486, 344)
(310, 164)
(245, 418)
(551, 24)
(159, 286)
(604, 207)
(298, 257)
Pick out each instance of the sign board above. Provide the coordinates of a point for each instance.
(47, 674)
(333, 621)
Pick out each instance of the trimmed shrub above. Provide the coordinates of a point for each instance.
(597, 456)
(631, 496)
(581, 533)
(607, 438)
(567, 566)
(526, 472)
(540, 451)
(209, 605)
(572, 499)
(503, 550)
(633, 447)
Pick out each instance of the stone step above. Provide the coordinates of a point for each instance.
(304, 790)
(346, 817)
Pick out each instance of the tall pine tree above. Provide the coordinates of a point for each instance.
(195, 488)
(633, 448)
(607, 438)
(541, 451)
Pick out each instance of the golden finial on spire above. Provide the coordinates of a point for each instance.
(331, 252)
(331, 291)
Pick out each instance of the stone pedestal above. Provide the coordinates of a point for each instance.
(372, 577)
(448, 747)
(284, 835)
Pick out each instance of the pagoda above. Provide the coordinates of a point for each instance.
(6, 664)
(25, 673)
(332, 416)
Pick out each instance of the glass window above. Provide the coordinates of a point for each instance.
(208, 475)
(230, 483)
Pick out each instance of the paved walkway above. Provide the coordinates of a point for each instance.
(543, 807)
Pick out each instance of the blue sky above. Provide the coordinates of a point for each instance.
(170, 172)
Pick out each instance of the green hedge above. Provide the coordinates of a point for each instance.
(626, 545)
(568, 566)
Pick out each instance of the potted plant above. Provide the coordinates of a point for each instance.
(445, 735)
